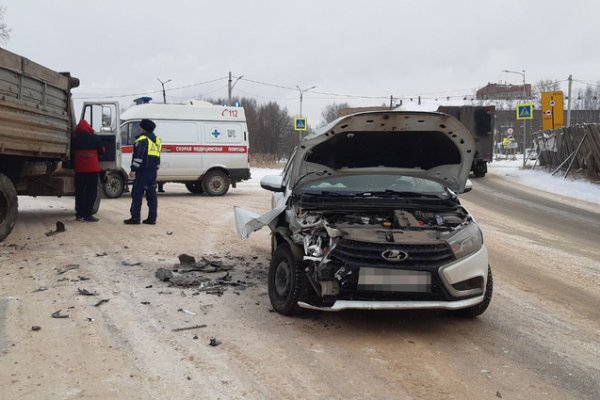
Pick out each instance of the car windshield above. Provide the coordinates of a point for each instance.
(373, 185)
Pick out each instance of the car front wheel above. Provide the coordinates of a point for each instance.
(286, 281)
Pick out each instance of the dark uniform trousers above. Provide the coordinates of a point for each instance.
(86, 190)
(145, 182)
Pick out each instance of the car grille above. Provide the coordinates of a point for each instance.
(420, 256)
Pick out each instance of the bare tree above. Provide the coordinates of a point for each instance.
(275, 134)
(4, 29)
(330, 112)
(545, 85)
(588, 98)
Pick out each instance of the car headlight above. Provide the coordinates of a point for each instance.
(466, 241)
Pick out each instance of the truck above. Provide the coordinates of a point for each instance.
(36, 123)
(480, 121)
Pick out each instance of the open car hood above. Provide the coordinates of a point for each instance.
(431, 145)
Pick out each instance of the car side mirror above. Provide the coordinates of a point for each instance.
(273, 183)
(468, 186)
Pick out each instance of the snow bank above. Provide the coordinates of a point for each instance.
(543, 180)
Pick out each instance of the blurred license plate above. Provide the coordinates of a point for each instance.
(394, 280)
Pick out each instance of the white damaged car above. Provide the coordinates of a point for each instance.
(366, 216)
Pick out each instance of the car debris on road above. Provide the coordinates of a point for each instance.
(57, 314)
(67, 268)
(187, 328)
(60, 227)
(100, 302)
(85, 292)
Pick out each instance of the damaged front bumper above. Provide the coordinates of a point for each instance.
(395, 305)
(451, 276)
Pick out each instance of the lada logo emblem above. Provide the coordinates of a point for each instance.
(394, 255)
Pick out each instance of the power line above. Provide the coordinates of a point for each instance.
(198, 96)
(267, 97)
(596, 84)
(424, 96)
(212, 91)
(149, 92)
(437, 96)
(266, 84)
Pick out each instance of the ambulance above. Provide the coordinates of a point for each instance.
(204, 146)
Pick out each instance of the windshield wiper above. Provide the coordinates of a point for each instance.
(390, 192)
(326, 193)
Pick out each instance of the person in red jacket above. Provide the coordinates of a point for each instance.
(86, 150)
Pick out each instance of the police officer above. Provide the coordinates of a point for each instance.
(144, 169)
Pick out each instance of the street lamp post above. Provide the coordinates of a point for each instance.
(301, 93)
(522, 73)
(230, 86)
(163, 89)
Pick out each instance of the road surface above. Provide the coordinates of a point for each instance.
(538, 340)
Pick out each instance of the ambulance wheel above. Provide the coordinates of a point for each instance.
(114, 185)
(8, 206)
(194, 187)
(215, 183)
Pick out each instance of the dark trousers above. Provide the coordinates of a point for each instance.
(86, 190)
(144, 183)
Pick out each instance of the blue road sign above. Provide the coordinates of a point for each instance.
(525, 111)
(300, 124)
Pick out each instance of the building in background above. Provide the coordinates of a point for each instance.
(503, 91)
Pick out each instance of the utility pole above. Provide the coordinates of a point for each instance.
(301, 93)
(391, 102)
(230, 87)
(569, 104)
(163, 89)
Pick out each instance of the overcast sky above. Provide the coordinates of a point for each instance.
(363, 49)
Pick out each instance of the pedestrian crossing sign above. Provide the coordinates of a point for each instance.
(525, 111)
(300, 124)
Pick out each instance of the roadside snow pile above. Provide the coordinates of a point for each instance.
(543, 180)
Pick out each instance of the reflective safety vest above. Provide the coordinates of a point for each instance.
(153, 148)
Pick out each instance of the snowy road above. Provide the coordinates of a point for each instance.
(538, 340)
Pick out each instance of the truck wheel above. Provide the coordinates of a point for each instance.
(194, 187)
(114, 185)
(480, 170)
(480, 308)
(9, 204)
(96, 205)
(286, 281)
(215, 183)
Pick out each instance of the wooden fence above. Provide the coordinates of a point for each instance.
(574, 148)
